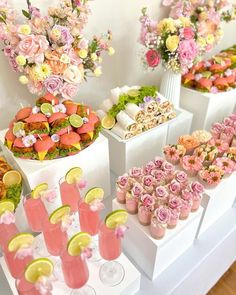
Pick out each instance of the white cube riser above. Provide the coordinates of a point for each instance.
(154, 256)
(207, 108)
(217, 201)
(142, 148)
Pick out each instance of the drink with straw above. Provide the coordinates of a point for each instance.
(55, 230)
(8, 227)
(37, 278)
(110, 233)
(34, 208)
(89, 209)
(74, 265)
(69, 189)
(19, 253)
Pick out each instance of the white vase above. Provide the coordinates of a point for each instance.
(170, 87)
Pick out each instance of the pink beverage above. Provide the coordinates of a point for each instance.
(75, 270)
(55, 238)
(16, 265)
(120, 195)
(35, 212)
(131, 205)
(70, 195)
(89, 220)
(109, 244)
(144, 215)
(7, 231)
(157, 229)
(25, 288)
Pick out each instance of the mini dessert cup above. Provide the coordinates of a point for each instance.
(227, 137)
(174, 217)
(159, 221)
(144, 215)
(162, 195)
(185, 209)
(120, 195)
(131, 204)
(196, 202)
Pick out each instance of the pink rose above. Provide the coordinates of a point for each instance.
(69, 90)
(188, 33)
(197, 187)
(158, 162)
(175, 187)
(161, 192)
(136, 172)
(187, 195)
(217, 128)
(228, 122)
(181, 176)
(149, 167)
(152, 58)
(187, 51)
(168, 167)
(147, 200)
(123, 181)
(162, 214)
(53, 83)
(174, 202)
(137, 190)
(148, 180)
(233, 117)
(159, 175)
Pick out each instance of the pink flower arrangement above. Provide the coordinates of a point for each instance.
(174, 187)
(162, 214)
(211, 175)
(147, 201)
(123, 181)
(221, 145)
(173, 153)
(207, 152)
(181, 177)
(137, 190)
(50, 51)
(136, 172)
(227, 165)
(191, 164)
(161, 192)
(174, 202)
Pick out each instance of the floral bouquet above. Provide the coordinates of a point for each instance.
(227, 165)
(191, 164)
(206, 152)
(174, 152)
(50, 51)
(211, 175)
(206, 15)
(174, 41)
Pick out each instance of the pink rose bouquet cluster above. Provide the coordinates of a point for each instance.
(207, 16)
(159, 195)
(174, 41)
(50, 51)
(211, 175)
(225, 131)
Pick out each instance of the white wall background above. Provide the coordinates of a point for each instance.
(121, 16)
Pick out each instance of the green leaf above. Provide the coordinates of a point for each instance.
(2, 20)
(26, 13)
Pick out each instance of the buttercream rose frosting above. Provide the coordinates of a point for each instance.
(162, 215)
(202, 135)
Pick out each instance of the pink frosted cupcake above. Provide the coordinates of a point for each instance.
(220, 145)
(161, 194)
(146, 207)
(159, 222)
(191, 165)
(211, 176)
(174, 217)
(122, 186)
(173, 153)
(207, 153)
(185, 209)
(189, 142)
(227, 165)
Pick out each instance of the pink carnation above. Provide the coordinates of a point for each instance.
(152, 58)
(227, 165)
(187, 51)
(188, 33)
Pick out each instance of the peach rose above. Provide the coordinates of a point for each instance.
(73, 75)
(188, 141)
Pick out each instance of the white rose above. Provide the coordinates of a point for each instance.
(73, 75)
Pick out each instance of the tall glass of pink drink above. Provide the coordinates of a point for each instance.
(25, 288)
(70, 194)
(111, 273)
(89, 219)
(7, 231)
(55, 237)
(35, 212)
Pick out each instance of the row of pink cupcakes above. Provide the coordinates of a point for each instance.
(159, 198)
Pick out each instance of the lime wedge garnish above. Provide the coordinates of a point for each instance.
(59, 213)
(35, 194)
(76, 121)
(133, 92)
(38, 268)
(17, 127)
(108, 122)
(6, 205)
(12, 177)
(96, 193)
(46, 108)
(116, 218)
(73, 175)
(78, 243)
(19, 240)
